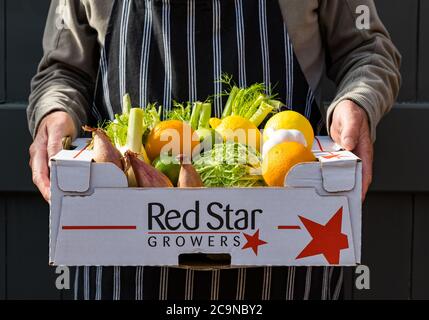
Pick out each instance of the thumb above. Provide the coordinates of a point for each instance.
(350, 134)
(54, 142)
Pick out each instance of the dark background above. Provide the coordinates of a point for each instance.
(396, 213)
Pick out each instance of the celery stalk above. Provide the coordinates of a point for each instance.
(126, 104)
(135, 130)
(260, 115)
(237, 101)
(227, 111)
(135, 140)
(159, 112)
(206, 113)
(254, 106)
(276, 104)
(195, 115)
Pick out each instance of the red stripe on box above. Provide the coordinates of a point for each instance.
(99, 227)
(81, 151)
(191, 232)
(289, 227)
(320, 145)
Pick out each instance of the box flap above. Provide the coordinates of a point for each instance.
(338, 170)
(73, 176)
(74, 167)
(324, 144)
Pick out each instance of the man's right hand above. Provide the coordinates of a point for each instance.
(48, 142)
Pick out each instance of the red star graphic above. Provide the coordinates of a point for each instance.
(327, 240)
(253, 242)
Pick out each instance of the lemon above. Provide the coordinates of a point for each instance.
(290, 120)
(241, 130)
(280, 159)
(214, 122)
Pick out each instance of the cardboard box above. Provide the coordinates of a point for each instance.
(315, 220)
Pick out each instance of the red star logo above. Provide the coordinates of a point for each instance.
(327, 239)
(253, 242)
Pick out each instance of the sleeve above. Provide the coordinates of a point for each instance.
(363, 62)
(66, 75)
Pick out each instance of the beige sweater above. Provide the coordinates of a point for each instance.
(363, 63)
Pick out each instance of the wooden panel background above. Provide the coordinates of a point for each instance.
(2, 51)
(386, 245)
(28, 276)
(395, 215)
(2, 200)
(404, 174)
(25, 20)
(19, 178)
(420, 263)
(423, 61)
(2, 248)
(401, 19)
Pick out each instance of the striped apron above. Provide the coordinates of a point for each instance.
(177, 50)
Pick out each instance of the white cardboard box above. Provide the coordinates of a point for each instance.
(315, 219)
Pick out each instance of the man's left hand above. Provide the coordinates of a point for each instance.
(350, 129)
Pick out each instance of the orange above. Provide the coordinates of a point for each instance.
(171, 137)
(280, 159)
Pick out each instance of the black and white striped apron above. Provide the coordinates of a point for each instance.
(165, 50)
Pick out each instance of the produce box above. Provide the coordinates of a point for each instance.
(314, 220)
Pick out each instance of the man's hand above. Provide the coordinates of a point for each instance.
(350, 129)
(46, 144)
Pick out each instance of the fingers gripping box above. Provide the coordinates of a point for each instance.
(315, 220)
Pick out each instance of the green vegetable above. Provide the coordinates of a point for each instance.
(126, 104)
(237, 102)
(247, 99)
(254, 106)
(151, 117)
(117, 130)
(228, 106)
(259, 116)
(135, 130)
(195, 115)
(276, 104)
(169, 166)
(209, 135)
(250, 103)
(160, 112)
(206, 113)
(230, 165)
(180, 112)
